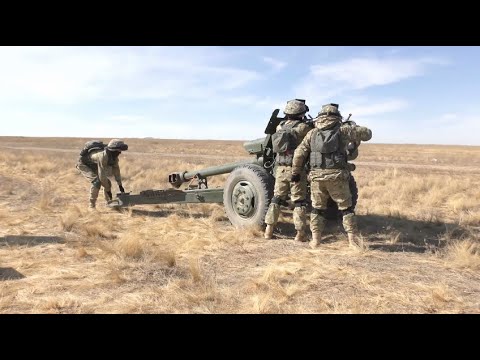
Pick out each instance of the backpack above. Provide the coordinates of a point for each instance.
(87, 148)
(92, 145)
(285, 139)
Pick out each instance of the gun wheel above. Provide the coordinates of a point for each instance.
(247, 195)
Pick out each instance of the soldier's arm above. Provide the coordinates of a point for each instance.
(116, 172)
(301, 154)
(356, 133)
(302, 131)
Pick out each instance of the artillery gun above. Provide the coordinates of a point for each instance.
(247, 191)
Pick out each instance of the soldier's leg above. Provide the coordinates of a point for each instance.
(92, 176)
(107, 191)
(280, 192)
(94, 190)
(299, 192)
(340, 192)
(319, 194)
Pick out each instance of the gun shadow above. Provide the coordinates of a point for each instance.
(30, 240)
(180, 212)
(10, 274)
(389, 233)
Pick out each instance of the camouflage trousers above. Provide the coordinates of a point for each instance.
(284, 187)
(91, 175)
(339, 190)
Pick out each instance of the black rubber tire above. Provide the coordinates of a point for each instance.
(332, 212)
(256, 179)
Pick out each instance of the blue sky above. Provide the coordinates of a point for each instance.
(415, 95)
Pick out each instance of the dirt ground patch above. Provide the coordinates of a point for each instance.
(418, 211)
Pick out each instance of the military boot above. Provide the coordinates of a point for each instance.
(93, 197)
(316, 236)
(268, 232)
(108, 196)
(353, 241)
(301, 236)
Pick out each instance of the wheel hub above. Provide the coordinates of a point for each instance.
(243, 198)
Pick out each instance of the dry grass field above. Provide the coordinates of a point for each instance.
(418, 212)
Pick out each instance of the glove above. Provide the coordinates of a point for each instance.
(295, 178)
(351, 167)
(122, 190)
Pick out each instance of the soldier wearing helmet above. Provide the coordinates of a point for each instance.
(97, 162)
(289, 133)
(326, 147)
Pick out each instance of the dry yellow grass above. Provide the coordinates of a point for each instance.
(420, 238)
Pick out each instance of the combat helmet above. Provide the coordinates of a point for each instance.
(330, 110)
(117, 145)
(295, 107)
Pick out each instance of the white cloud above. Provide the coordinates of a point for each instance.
(199, 95)
(127, 119)
(396, 130)
(61, 124)
(276, 64)
(334, 80)
(449, 116)
(68, 75)
(375, 108)
(264, 103)
(361, 73)
(449, 119)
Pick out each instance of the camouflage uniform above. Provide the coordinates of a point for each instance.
(329, 174)
(98, 166)
(283, 175)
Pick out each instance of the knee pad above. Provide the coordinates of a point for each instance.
(97, 183)
(300, 203)
(320, 212)
(347, 211)
(275, 200)
(279, 201)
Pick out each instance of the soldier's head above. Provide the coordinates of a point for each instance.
(330, 110)
(296, 109)
(116, 146)
(328, 116)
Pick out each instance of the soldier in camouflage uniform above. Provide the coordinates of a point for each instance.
(295, 125)
(98, 164)
(326, 149)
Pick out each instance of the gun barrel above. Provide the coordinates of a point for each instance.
(178, 178)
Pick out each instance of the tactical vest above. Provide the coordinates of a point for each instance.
(284, 143)
(328, 149)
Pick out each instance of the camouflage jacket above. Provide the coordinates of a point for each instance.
(301, 131)
(349, 133)
(106, 169)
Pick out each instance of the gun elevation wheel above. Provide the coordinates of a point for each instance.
(247, 195)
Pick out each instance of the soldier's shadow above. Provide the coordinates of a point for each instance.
(388, 233)
(30, 240)
(10, 274)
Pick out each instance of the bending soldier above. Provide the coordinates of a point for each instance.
(289, 133)
(97, 162)
(326, 149)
